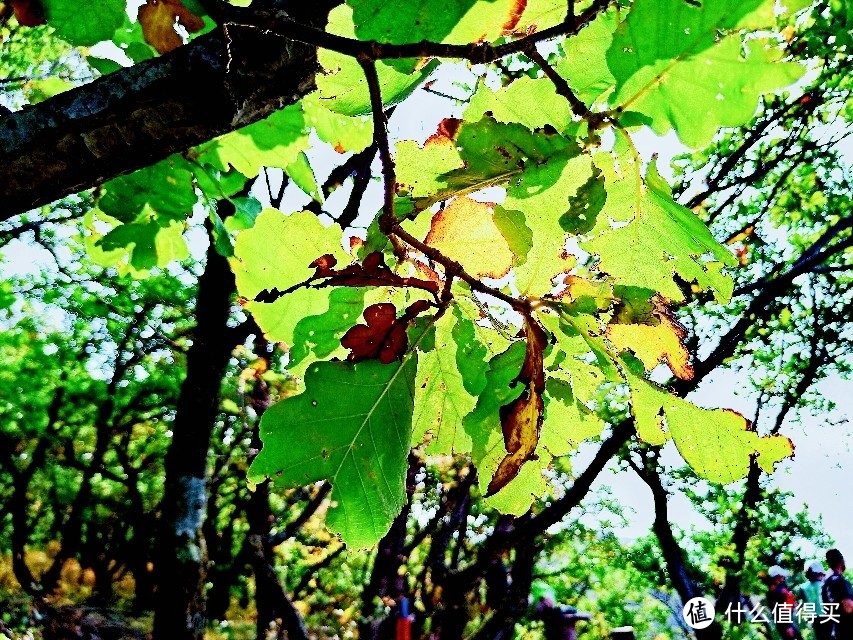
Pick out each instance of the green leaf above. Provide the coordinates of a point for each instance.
(442, 397)
(544, 193)
(221, 237)
(568, 422)
(246, 211)
(319, 336)
(671, 64)
(342, 85)
(165, 187)
(275, 141)
(147, 244)
(43, 89)
(344, 133)
(302, 174)
(533, 103)
(514, 229)
(583, 62)
(483, 424)
(661, 239)
(716, 443)
(84, 22)
(483, 154)
(352, 426)
(275, 254)
(542, 171)
(103, 66)
(459, 21)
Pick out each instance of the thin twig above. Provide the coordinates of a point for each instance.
(562, 87)
(380, 138)
(570, 12)
(453, 269)
(476, 52)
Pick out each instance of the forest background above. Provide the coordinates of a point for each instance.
(559, 301)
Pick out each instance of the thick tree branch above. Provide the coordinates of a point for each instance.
(137, 116)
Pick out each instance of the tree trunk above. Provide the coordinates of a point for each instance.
(673, 554)
(276, 612)
(180, 569)
(387, 581)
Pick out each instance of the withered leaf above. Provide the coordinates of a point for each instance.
(384, 336)
(521, 420)
(27, 13)
(158, 18)
(372, 272)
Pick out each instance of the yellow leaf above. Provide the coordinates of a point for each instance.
(659, 340)
(465, 231)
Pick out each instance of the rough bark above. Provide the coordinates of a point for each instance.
(180, 568)
(139, 115)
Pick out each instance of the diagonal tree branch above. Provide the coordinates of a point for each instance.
(142, 114)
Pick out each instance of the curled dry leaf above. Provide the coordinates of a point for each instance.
(158, 19)
(465, 231)
(384, 336)
(521, 420)
(370, 273)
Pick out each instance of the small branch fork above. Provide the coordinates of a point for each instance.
(580, 109)
(388, 222)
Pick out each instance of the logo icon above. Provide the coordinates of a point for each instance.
(698, 613)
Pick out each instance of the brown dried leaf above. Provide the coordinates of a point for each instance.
(372, 272)
(521, 420)
(27, 13)
(384, 336)
(514, 17)
(158, 19)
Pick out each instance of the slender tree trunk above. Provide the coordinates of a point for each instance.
(180, 567)
(501, 626)
(276, 612)
(673, 554)
(386, 578)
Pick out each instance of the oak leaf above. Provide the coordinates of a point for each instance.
(465, 231)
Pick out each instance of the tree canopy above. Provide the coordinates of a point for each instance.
(277, 324)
